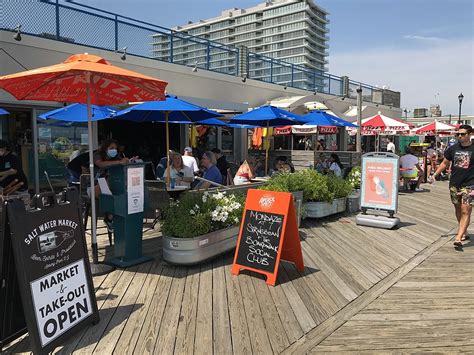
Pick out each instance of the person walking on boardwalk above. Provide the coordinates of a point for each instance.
(461, 183)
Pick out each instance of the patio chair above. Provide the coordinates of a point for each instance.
(158, 200)
(229, 178)
(86, 202)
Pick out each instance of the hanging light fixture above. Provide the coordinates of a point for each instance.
(17, 36)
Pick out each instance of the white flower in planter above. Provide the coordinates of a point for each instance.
(206, 213)
(218, 196)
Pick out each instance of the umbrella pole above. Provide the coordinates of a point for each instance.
(266, 150)
(168, 172)
(95, 251)
(96, 267)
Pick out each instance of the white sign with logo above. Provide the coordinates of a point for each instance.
(135, 190)
(61, 299)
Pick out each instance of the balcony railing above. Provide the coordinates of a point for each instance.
(73, 22)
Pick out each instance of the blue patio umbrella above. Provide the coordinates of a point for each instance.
(320, 118)
(78, 113)
(4, 112)
(237, 125)
(211, 122)
(267, 116)
(171, 110)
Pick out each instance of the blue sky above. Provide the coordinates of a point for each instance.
(423, 48)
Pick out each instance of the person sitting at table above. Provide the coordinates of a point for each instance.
(410, 168)
(78, 166)
(287, 164)
(221, 161)
(259, 168)
(335, 165)
(161, 166)
(244, 174)
(189, 160)
(10, 168)
(212, 173)
(182, 174)
(321, 164)
(280, 167)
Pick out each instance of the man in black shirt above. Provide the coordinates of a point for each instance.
(461, 183)
(222, 164)
(10, 168)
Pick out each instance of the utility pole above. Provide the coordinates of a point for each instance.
(359, 120)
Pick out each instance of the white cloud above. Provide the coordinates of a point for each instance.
(418, 73)
(437, 30)
(423, 38)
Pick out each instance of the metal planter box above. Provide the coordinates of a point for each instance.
(298, 200)
(353, 202)
(188, 251)
(323, 209)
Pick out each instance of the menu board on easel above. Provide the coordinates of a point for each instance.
(268, 234)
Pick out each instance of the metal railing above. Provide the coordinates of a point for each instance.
(81, 24)
(261, 67)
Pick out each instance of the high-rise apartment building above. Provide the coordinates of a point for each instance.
(269, 36)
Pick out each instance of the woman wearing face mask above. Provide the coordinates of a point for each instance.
(107, 156)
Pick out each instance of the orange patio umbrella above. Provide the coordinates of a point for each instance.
(86, 79)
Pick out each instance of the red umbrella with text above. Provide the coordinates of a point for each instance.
(90, 80)
(380, 124)
(435, 128)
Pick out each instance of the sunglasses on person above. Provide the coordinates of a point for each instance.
(461, 134)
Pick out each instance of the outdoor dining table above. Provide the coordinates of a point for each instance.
(260, 179)
(176, 191)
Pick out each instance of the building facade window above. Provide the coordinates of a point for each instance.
(294, 32)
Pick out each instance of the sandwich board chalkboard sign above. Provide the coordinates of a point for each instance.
(53, 269)
(12, 321)
(268, 234)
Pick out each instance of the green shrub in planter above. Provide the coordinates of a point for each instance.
(313, 185)
(197, 214)
(318, 188)
(278, 182)
(339, 187)
(354, 177)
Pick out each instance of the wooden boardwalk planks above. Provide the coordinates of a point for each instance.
(127, 340)
(428, 309)
(220, 311)
(151, 324)
(238, 320)
(364, 289)
(113, 331)
(187, 319)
